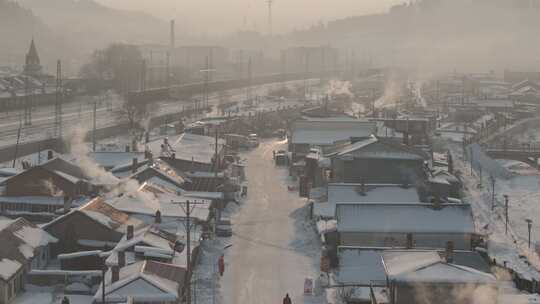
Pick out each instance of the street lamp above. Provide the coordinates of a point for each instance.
(529, 226)
(506, 213)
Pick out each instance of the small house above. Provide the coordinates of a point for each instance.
(426, 277)
(56, 177)
(412, 225)
(94, 226)
(144, 282)
(24, 247)
(378, 160)
(306, 134)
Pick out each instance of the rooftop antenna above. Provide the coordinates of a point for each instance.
(270, 2)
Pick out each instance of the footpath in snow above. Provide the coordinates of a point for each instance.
(274, 247)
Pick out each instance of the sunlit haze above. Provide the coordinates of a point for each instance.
(219, 16)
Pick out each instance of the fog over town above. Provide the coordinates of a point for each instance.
(269, 151)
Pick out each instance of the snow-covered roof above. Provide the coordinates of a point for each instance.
(373, 193)
(151, 237)
(144, 281)
(34, 200)
(404, 218)
(328, 132)
(19, 239)
(198, 148)
(114, 159)
(103, 213)
(148, 202)
(360, 266)
(374, 147)
(8, 268)
(403, 266)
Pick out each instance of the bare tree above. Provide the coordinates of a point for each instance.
(137, 114)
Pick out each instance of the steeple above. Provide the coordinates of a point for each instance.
(32, 64)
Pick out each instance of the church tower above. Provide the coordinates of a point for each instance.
(32, 65)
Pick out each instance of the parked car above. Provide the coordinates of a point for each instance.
(282, 158)
(253, 140)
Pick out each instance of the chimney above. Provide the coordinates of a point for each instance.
(67, 204)
(129, 234)
(147, 137)
(50, 154)
(121, 258)
(410, 242)
(449, 252)
(115, 274)
(172, 38)
(157, 218)
(127, 148)
(134, 164)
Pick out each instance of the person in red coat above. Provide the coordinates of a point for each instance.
(221, 265)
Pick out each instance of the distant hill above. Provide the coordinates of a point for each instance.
(17, 26)
(85, 25)
(433, 35)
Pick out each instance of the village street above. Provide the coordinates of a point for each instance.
(274, 248)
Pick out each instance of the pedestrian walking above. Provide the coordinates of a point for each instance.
(287, 299)
(221, 265)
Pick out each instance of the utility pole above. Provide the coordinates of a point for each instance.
(306, 73)
(188, 246)
(493, 180)
(206, 80)
(216, 159)
(506, 213)
(529, 227)
(167, 70)
(58, 101)
(187, 224)
(270, 3)
(250, 76)
(18, 139)
(94, 127)
(27, 103)
(103, 271)
(143, 75)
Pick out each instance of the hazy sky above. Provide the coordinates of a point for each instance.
(218, 16)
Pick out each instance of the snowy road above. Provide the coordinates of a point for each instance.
(274, 246)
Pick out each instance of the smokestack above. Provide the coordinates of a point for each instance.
(147, 137)
(67, 204)
(172, 35)
(121, 258)
(129, 234)
(134, 165)
(157, 218)
(449, 252)
(50, 154)
(115, 271)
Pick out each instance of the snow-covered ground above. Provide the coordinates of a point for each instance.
(508, 247)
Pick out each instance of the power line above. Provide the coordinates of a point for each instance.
(58, 101)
